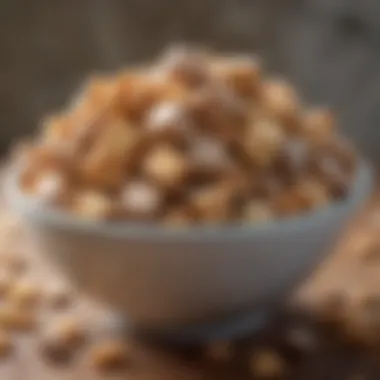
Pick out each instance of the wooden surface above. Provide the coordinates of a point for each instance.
(310, 350)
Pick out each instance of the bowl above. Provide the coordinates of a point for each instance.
(201, 279)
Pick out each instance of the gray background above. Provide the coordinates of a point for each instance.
(330, 48)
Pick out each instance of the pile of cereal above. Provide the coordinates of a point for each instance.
(193, 138)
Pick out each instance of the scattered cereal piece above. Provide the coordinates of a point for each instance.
(109, 355)
(58, 296)
(267, 364)
(14, 318)
(61, 340)
(6, 344)
(25, 294)
(219, 351)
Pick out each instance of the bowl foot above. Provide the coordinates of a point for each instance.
(226, 329)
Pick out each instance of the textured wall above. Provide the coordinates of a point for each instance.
(330, 47)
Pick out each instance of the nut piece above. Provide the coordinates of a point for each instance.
(141, 200)
(6, 344)
(263, 142)
(92, 205)
(109, 356)
(267, 364)
(166, 166)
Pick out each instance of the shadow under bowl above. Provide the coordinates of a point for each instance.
(196, 282)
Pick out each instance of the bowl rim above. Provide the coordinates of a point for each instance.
(39, 212)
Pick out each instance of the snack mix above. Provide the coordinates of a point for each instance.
(194, 138)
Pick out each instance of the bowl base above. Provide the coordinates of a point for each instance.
(226, 329)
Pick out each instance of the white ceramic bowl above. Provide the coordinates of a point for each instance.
(165, 279)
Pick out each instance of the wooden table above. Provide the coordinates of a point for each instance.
(310, 350)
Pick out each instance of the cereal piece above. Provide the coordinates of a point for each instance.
(57, 130)
(187, 67)
(212, 204)
(25, 294)
(267, 364)
(99, 95)
(258, 212)
(281, 101)
(263, 142)
(241, 73)
(319, 125)
(50, 187)
(109, 355)
(92, 205)
(287, 203)
(221, 351)
(141, 200)
(311, 194)
(14, 318)
(179, 217)
(217, 112)
(104, 165)
(167, 116)
(293, 161)
(138, 93)
(208, 155)
(166, 166)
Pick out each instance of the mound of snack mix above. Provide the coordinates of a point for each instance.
(193, 138)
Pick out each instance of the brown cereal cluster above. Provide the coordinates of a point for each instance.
(193, 138)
